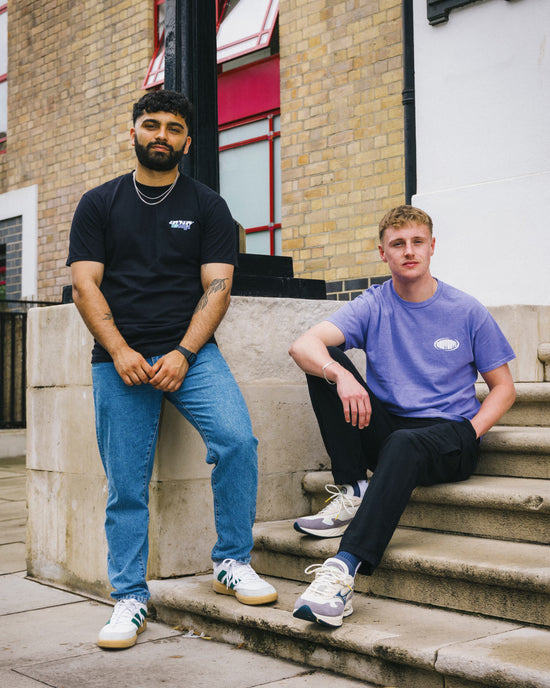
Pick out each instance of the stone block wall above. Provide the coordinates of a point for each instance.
(66, 486)
(342, 154)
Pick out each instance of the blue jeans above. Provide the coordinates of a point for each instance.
(127, 420)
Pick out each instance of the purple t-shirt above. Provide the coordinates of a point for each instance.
(423, 358)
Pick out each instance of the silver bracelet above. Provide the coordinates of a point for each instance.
(325, 375)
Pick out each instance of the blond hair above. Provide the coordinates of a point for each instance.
(404, 215)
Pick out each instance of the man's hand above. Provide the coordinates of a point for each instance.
(355, 398)
(132, 367)
(169, 372)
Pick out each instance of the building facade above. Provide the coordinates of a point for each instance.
(312, 148)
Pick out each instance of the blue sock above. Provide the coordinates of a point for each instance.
(360, 487)
(350, 560)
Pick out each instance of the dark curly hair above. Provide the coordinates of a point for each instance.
(164, 101)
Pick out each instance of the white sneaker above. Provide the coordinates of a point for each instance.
(328, 599)
(128, 619)
(333, 520)
(233, 577)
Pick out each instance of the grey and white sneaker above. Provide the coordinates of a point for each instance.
(333, 520)
(328, 599)
(236, 578)
(127, 621)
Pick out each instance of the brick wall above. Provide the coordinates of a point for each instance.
(75, 68)
(341, 135)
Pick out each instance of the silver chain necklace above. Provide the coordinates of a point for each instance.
(154, 200)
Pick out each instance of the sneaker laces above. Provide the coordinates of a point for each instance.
(238, 571)
(338, 501)
(328, 579)
(126, 610)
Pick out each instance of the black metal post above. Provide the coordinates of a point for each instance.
(409, 112)
(190, 67)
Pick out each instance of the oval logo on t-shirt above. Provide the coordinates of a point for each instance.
(446, 344)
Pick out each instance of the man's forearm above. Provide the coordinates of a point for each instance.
(208, 314)
(494, 406)
(97, 316)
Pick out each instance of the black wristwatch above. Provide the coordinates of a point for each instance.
(189, 355)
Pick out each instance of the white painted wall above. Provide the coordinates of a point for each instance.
(483, 146)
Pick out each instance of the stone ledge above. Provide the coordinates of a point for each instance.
(384, 641)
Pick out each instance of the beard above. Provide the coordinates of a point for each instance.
(160, 161)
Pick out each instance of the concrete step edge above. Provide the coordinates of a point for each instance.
(497, 563)
(526, 392)
(442, 642)
(517, 439)
(530, 495)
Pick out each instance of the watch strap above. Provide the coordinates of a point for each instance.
(189, 355)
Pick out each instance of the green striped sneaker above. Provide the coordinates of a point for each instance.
(128, 619)
(236, 578)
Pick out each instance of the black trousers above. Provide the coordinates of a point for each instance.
(401, 452)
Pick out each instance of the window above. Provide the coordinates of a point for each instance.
(248, 114)
(155, 72)
(3, 76)
(250, 180)
(246, 26)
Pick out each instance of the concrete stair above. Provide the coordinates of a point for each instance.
(461, 598)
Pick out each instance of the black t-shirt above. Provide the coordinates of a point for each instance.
(152, 255)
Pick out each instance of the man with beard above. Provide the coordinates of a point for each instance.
(152, 255)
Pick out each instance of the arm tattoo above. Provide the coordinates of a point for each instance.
(216, 285)
(108, 316)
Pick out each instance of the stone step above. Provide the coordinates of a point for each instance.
(507, 580)
(532, 405)
(488, 506)
(384, 642)
(516, 451)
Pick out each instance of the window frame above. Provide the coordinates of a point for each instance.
(270, 138)
(265, 31)
(158, 55)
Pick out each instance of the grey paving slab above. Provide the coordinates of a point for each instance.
(17, 464)
(13, 530)
(176, 661)
(12, 558)
(10, 473)
(13, 489)
(318, 679)
(11, 510)
(18, 594)
(13, 679)
(59, 633)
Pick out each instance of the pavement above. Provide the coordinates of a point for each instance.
(48, 636)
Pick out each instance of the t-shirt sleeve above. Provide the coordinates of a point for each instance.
(491, 348)
(353, 321)
(219, 243)
(87, 233)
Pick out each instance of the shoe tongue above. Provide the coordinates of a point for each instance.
(347, 490)
(337, 563)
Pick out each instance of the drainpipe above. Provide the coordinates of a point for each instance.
(409, 99)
